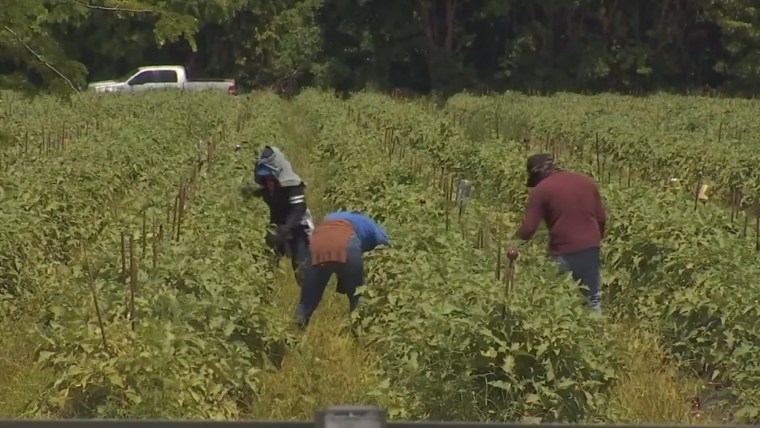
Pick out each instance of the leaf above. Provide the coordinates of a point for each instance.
(489, 353)
(44, 356)
(533, 399)
(116, 379)
(508, 365)
(501, 385)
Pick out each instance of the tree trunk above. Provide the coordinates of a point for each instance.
(451, 10)
(439, 34)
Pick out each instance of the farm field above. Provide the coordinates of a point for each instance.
(134, 281)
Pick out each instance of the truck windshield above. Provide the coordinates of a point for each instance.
(127, 76)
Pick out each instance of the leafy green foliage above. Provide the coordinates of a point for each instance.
(203, 326)
(457, 342)
(433, 307)
(424, 45)
(665, 264)
(687, 272)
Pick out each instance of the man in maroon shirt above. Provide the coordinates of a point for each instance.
(570, 205)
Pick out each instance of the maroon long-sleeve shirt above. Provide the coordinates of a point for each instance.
(570, 205)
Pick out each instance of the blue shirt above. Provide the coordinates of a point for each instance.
(370, 234)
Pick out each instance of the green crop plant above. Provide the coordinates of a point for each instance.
(685, 272)
(128, 246)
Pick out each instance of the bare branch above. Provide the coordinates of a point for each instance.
(116, 8)
(40, 58)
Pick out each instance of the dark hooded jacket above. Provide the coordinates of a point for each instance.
(287, 203)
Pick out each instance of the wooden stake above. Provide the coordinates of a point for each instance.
(123, 256)
(598, 161)
(94, 292)
(181, 201)
(144, 236)
(154, 242)
(133, 270)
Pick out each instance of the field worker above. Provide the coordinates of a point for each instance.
(284, 193)
(570, 205)
(337, 245)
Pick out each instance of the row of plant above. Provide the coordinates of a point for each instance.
(183, 336)
(679, 270)
(694, 140)
(457, 344)
(36, 127)
(93, 188)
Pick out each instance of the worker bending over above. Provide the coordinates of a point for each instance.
(336, 247)
(284, 193)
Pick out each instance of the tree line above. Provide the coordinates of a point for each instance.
(410, 45)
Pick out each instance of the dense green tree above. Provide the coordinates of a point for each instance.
(419, 45)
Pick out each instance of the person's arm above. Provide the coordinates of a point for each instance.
(601, 214)
(372, 235)
(381, 238)
(248, 191)
(534, 212)
(297, 200)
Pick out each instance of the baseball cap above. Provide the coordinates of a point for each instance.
(263, 170)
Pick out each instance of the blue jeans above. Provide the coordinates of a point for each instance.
(315, 278)
(585, 268)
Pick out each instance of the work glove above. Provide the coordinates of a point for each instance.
(249, 191)
(276, 238)
(282, 235)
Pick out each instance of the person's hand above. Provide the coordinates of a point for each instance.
(249, 191)
(271, 240)
(281, 236)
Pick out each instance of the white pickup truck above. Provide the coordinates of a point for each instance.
(162, 77)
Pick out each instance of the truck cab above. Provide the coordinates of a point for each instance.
(161, 77)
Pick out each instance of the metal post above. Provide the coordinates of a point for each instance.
(351, 417)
